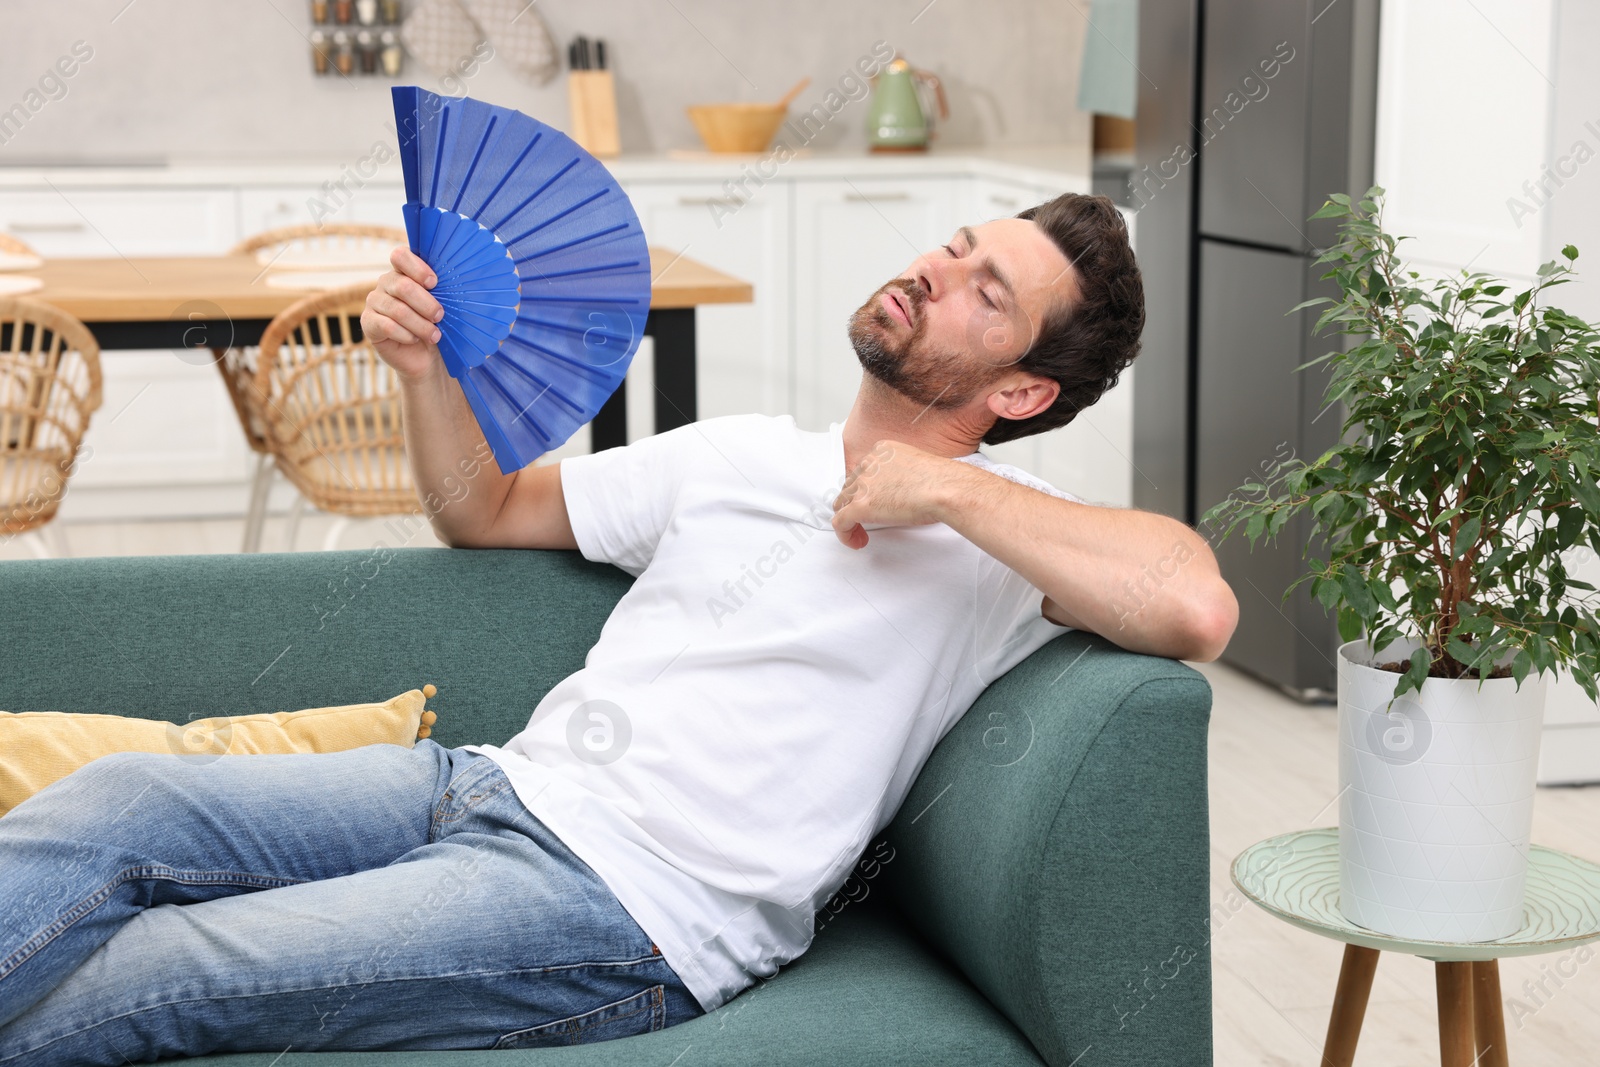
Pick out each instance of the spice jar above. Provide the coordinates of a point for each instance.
(343, 58)
(366, 12)
(367, 51)
(319, 11)
(319, 52)
(341, 11)
(391, 52)
(391, 12)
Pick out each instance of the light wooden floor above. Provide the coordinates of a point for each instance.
(1273, 769)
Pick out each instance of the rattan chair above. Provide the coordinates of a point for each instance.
(49, 386)
(15, 246)
(238, 365)
(331, 411)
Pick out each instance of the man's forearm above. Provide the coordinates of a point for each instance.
(1144, 581)
(458, 483)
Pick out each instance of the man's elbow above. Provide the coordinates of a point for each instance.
(1214, 624)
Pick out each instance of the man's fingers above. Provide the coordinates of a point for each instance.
(413, 294)
(410, 264)
(379, 329)
(402, 315)
(854, 537)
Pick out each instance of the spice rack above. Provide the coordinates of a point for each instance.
(356, 37)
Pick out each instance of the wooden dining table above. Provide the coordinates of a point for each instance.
(223, 301)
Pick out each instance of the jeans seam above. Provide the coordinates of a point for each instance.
(468, 805)
(88, 904)
(314, 988)
(655, 1001)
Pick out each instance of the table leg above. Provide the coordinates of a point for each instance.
(1488, 1012)
(1457, 1044)
(673, 330)
(609, 427)
(1349, 1005)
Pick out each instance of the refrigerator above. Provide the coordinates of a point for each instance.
(1250, 113)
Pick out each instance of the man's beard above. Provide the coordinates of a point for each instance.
(908, 364)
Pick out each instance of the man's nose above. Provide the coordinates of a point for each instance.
(932, 275)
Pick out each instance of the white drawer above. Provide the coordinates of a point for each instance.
(127, 222)
(271, 207)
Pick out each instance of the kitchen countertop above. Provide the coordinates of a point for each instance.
(1044, 165)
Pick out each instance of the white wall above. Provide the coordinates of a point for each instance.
(1572, 213)
(1484, 112)
(1464, 91)
(207, 80)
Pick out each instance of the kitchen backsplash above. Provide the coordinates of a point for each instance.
(200, 80)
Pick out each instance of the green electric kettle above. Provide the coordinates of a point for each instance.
(898, 119)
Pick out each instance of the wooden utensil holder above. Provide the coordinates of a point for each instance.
(592, 98)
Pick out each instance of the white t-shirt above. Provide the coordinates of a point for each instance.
(760, 701)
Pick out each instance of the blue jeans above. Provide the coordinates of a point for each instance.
(380, 898)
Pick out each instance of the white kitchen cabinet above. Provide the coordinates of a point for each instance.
(852, 236)
(996, 198)
(272, 207)
(166, 440)
(121, 222)
(743, 362)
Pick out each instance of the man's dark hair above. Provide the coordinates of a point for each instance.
(1084, 345)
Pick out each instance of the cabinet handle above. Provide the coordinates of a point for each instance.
(45, 227)
(1003, 201)
(867, 198)
(704, 201)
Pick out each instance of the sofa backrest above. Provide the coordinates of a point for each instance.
(184, 637)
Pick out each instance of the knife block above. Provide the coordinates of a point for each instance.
(592, 100)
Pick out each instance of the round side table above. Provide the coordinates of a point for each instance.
(1296, 877)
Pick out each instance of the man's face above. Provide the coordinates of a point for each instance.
(956, 320)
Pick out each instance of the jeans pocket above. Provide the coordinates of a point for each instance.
(469, 788)
(644, 1012)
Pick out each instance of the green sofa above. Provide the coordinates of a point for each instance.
(1042, 895)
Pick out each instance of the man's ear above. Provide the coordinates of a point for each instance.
(1023, 396)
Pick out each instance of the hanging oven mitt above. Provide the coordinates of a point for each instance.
(519, 34)
(441, 36)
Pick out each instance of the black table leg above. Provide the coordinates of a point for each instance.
(674, 335)
(673, 329)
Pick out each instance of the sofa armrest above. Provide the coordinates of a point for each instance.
(1055, 848)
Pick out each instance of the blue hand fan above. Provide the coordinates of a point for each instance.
(543, 269)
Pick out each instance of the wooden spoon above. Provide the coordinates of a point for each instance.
(788, 97)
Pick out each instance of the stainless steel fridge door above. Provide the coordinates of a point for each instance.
(1253, 117)
(1253, 412)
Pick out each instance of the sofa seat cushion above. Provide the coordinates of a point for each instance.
(867, 992)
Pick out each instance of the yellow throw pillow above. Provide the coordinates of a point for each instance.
(40, 747)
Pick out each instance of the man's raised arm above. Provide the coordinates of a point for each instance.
(468, 501)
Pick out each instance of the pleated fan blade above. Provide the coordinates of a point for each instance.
(543, 269)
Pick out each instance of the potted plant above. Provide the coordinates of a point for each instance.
(1466, 468)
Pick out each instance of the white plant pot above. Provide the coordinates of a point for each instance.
(1436, 798)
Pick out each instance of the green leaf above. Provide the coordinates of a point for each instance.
(1570, 251)
(1253, 529)
(1330, 211)
(1467, 536)
(1349, 624)
(1417, 673)
(1568, 527)
(1356, 593)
